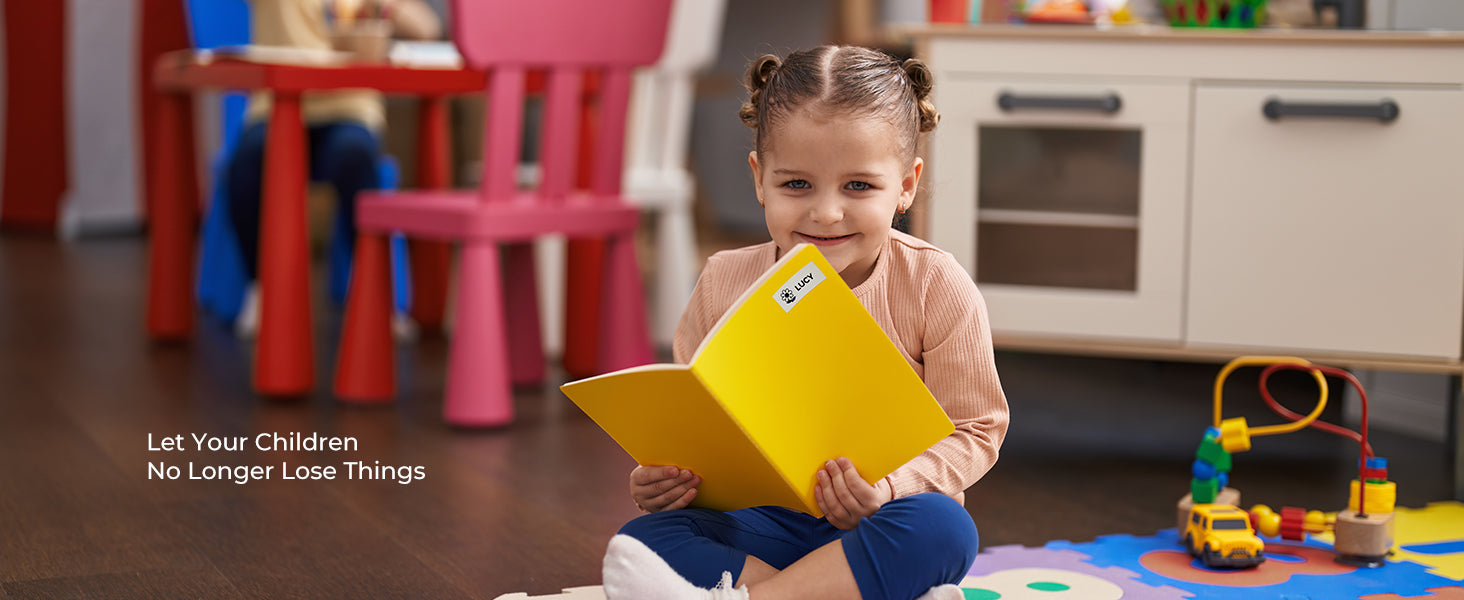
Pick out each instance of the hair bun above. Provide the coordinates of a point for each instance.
(922, 81)
(759, 73)
(762, 71)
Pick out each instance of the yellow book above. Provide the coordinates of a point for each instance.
(796, 373)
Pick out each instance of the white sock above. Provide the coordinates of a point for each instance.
(943, 592)
(246, 325)
(633, 571)
(403, 328)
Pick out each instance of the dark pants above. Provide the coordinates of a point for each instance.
(344, 154)
(908, 546)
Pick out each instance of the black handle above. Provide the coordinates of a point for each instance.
(1108, 103)
(1385, 110)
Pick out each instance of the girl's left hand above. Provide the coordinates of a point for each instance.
(844, 496)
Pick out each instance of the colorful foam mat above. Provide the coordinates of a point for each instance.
(1427, 563)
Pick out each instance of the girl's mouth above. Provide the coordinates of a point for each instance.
(819, 240)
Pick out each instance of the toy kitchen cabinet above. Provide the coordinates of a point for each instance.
(1205, 193)
(1199, 194)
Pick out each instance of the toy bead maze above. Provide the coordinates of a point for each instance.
(1369, 550)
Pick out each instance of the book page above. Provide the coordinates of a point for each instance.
(663, 415)
(425, 55)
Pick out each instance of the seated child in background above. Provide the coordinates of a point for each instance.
(834, 161)
(344, 127)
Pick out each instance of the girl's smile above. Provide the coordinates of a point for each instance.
(825, 240)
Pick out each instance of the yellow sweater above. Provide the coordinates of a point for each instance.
(930, 308)
(301, 24)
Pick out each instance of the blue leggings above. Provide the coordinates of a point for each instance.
(909, 546)
(342, 153)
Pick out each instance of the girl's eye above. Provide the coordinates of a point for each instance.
(859, 186)
(797, 184)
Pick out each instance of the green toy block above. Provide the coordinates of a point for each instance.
(1211, 452)
(1203, 491)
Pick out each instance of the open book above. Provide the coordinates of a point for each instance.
(796, 373)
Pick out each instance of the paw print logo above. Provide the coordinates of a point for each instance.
(787, 296)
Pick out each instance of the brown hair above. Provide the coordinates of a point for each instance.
(841, 80)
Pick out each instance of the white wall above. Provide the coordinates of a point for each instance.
(104, 173)
(1415, 14)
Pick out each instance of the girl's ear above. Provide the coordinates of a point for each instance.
(910, 183)
(756, 176)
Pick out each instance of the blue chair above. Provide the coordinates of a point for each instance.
(221, 278)
(221, 281)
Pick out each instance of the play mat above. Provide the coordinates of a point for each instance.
(1427, 563)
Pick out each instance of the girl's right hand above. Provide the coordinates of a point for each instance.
(659, 488)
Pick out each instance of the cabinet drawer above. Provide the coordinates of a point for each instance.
(1065, 201)
(1328, 226)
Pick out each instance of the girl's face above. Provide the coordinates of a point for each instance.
(835, 184)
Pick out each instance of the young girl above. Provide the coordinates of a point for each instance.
(834, 160)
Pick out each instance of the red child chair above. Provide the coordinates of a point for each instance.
(495, 339)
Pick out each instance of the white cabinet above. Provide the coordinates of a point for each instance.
(1075, 223)
(1340, 233)
(1124, 192)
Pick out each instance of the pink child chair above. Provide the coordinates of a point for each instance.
(495, 338)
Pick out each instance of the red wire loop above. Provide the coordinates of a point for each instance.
(1360, 438)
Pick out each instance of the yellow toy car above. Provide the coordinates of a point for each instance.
(1221, 536)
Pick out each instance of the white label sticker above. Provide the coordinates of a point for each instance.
(798, 286)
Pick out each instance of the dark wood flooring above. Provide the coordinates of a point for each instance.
(1097, 446)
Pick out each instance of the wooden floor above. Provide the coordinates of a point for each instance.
(1097, 446)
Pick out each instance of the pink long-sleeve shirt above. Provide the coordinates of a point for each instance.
(930, 308)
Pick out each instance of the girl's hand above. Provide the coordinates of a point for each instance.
(659, 488)
(844, 496)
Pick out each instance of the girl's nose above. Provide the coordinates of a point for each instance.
(828, 208)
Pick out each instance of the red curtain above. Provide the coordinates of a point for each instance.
(35, 115)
